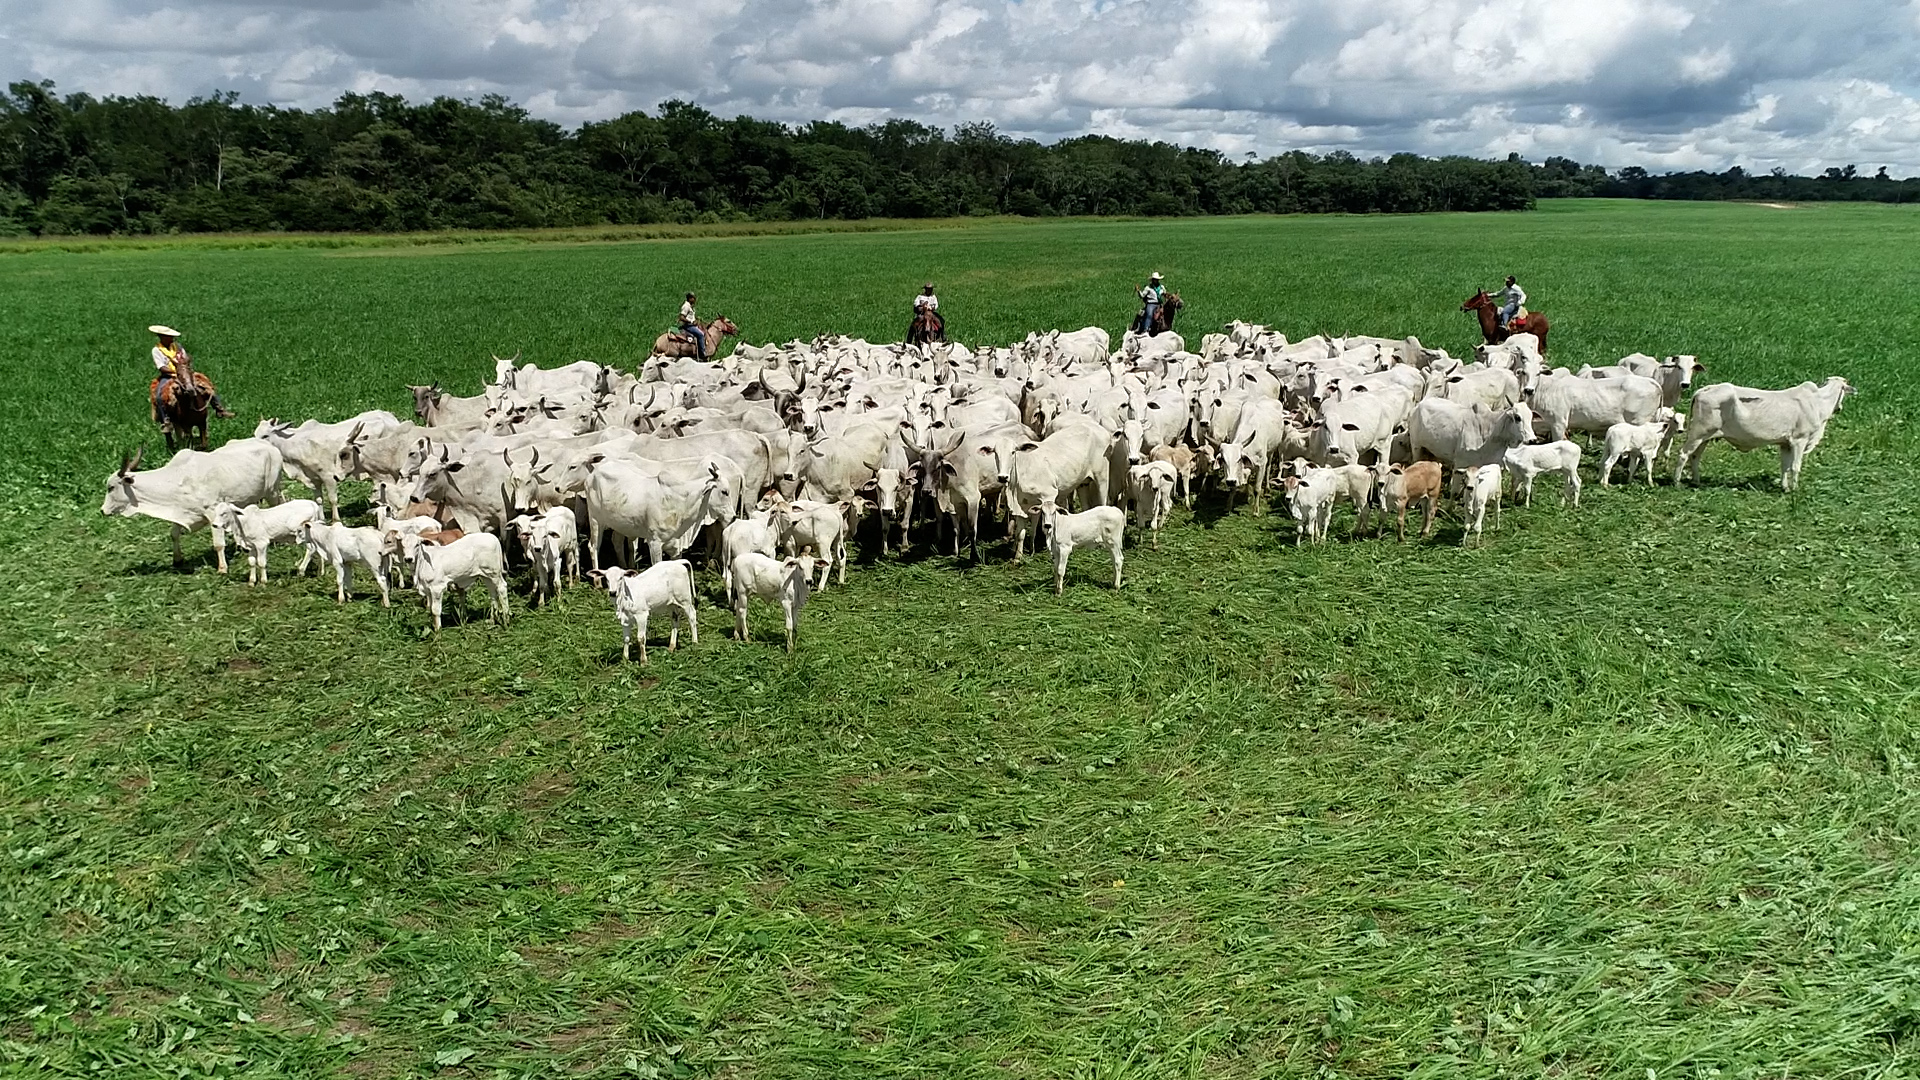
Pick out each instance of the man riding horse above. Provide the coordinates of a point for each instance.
(179, 397)
(694, 338)
(927, 326)
(1506, 315)
(1158, 307)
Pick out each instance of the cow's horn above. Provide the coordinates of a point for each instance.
(135, 463)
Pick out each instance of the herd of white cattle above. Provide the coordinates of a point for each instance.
(775, 454)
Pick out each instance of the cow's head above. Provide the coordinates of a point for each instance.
(523, 480)
(437, 478)
(425, 398)
(121, 497)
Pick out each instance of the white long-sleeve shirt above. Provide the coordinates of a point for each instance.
(926, 300)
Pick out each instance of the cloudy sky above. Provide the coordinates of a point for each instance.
(1660, 83)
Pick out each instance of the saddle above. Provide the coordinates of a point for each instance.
(173, 386)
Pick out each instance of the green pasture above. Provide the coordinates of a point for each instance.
(1629, 792)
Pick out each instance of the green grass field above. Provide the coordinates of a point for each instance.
(1629, 792)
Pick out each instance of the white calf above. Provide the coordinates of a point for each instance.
(343, 546)
(256, 528)
(1151, 487)
(1354, 483)
(1101, 526)
(777, 581)
(552, 543)
(666, 584)
(436, 568)
(753, 532)
(1527, 463)
(1641, 443)
(821, 526)
(1482, 486)
(1311, 493)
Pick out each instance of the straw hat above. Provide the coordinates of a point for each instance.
(1155, 277)
(163, 330)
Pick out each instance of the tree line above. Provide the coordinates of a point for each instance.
(79, 164)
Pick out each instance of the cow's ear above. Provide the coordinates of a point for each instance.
(1028, 446)
(947, 467)
(1349, 427)
(456, 466)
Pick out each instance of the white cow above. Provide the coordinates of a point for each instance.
(1459, 436)
(1151, 488)
(637, 503)
(311, 453)
(820, 526)
(1101, 526)
(1311, 493)
(344, 546)
(777, 581)
(184, 491)
(635, 597)
(1641, 444)
(552, 544)
(1794, 420)
(1526, 464)
(437, 568)
(1481, 485)
(1566, 403)
(257, 528)
(752, 531)
(1067, 460)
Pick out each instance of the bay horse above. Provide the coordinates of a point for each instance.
(1163, 318)
(1531, 323)
(674, 343)
(184, 404)
(927, 327)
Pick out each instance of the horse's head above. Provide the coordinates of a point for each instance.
(186, 386)
(725, 326)
(1479, 301)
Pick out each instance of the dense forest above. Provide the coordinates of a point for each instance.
(78, 164)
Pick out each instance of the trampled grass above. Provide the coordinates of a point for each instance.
(1629, 791)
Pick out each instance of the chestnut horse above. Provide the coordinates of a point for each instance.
(184, 404)
(1489, 312)
(927, 327)
(675, 343)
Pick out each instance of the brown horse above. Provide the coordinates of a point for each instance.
(1532, 323)
(675, 343)
(184, 404)
(927, 327)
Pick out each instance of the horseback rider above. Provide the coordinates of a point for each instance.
(927, 305)
(1511, 299)
(690, 326)
(1152, 296)
(166, 356)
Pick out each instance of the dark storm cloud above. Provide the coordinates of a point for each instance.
(1656, 82)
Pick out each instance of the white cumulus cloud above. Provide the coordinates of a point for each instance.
(1661, 83)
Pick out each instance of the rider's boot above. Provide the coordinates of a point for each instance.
(220, 409)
